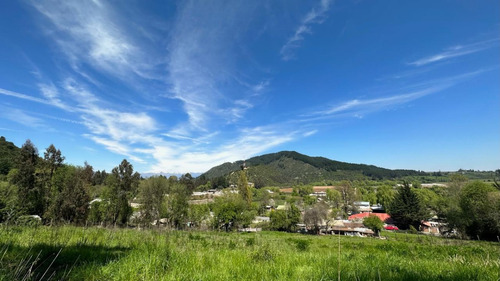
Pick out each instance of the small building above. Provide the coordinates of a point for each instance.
(430, 227)
(349, 228)
(250, 229)
(318, 194)
(362, 206)
(259, 219)
(386, 218)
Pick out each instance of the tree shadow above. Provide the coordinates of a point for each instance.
(51, 262)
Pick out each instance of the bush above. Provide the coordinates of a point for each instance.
(31, 221)
(413, 230)
(263, 254)
(250, 241)
(302, 245)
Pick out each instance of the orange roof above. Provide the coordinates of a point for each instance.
(286, 190)
(322, 188)
(382, 216)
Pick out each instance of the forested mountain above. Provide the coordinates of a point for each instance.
(8, 155)
(290, 167)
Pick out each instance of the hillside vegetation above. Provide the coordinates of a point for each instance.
(8, 155)
(290, 167)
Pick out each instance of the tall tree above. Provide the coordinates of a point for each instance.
(53, 159)
(152, 197)
(407, 209)
(314, 216)
(75, 198)
(244, 188)
(177, 205)
(480, 204)
(348, 197)
(228, 212)
(30, 193)
(123, 183)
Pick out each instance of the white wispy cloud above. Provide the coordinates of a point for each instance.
(89, 32)
(457, 51)
(359, 107)
(24, 96)
(202, 63)
(135, 136)
(249, 142)
(315, 16)
(22, 117)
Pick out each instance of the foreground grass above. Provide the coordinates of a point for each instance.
(72, 253)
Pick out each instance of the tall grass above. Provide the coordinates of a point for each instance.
(71, 253)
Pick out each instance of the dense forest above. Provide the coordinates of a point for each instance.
(40, 188)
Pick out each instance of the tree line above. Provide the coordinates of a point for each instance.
(43, 189)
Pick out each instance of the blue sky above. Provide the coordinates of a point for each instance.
(184, 86)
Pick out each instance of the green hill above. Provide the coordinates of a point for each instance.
(8, 155)
(290, 167)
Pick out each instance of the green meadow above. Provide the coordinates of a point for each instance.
(75, 253)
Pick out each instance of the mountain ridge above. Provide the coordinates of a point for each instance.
(291, 167)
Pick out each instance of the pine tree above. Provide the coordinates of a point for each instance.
(30, 194)
(407, 209)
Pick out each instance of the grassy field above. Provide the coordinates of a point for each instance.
(71, 253)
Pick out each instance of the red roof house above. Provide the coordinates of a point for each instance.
(382, 216)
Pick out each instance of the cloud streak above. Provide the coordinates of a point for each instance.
(202, 68)
(316, 16)
(457, 51)
(359, 107)
(89, 32)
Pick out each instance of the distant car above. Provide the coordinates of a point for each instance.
(391, 227)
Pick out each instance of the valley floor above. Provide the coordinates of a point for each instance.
(72, 253)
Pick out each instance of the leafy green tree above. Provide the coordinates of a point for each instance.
(123, 183)
(99, 177)
(188, 181)
(228, 212)
(429, 199)
(69, 196)
(385, 195)
(374, 223)
(480, 205)
(285, 220)
(348, 194)
(334, 198)
(75, 203)
(370, 197)
(177, 205)
(30, 193)
(407, 209)
(303, 190)
(198, 213)
(9, 207)
(52, 159)
(244, 188)
(152, 193)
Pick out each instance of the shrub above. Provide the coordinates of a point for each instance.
(302, 245)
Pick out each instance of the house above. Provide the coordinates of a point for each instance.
(349, 228)
(318, 194)
(322, 188)
(250, 229)
(362, 206)
(386, 218)
(430, 227)
(259, 219)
